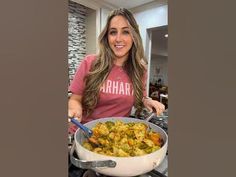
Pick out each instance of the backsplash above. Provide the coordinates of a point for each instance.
(76, 36)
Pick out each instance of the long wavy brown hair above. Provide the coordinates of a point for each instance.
(135, 65)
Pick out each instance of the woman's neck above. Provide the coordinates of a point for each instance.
(120, 61)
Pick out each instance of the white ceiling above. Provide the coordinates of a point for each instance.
(128, 4)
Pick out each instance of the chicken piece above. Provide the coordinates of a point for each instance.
(139, 152)
(97, 150)
(149, 142)
(117, 137)
(140, 134)
(123, 141)
(103, 141)
(111, 135)
(88, 146)
(122, 153)
(140, 126)
(100, 130)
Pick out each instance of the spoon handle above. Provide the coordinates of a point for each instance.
(150, 116)
(85, 129)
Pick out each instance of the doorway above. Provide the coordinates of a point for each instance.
(158, 62)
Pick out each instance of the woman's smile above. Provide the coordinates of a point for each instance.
(119, 46)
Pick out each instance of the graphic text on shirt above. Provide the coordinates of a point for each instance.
(117, 87)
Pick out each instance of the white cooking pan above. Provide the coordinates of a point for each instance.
(118, 166)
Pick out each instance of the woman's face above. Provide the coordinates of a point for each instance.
(119, 37)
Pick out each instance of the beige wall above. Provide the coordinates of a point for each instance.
(91, 38)
(150, 16)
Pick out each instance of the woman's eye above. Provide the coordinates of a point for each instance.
(112, 32)
(126, 32)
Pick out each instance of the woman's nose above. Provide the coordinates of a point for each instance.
(118, 37)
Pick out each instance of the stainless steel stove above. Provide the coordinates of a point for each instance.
(160, 171)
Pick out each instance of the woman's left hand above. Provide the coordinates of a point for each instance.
(151, 104)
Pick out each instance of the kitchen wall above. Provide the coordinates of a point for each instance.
(90, 33)
(100, 11)
(76, 36)
(150, 16)
(81, 35)
(104, 14)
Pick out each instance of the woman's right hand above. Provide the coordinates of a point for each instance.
(75, 107)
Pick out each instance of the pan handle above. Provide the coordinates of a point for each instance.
(89, 164)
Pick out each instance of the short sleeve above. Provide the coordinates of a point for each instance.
(77, 84)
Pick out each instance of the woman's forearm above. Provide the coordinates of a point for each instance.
(75, 106)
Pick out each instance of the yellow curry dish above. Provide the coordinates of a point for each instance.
(122, 139)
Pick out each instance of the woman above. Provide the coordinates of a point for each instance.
(112, 82)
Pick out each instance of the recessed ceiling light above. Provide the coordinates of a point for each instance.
(166, 35)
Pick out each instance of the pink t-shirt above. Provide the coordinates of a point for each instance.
(116, 94)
